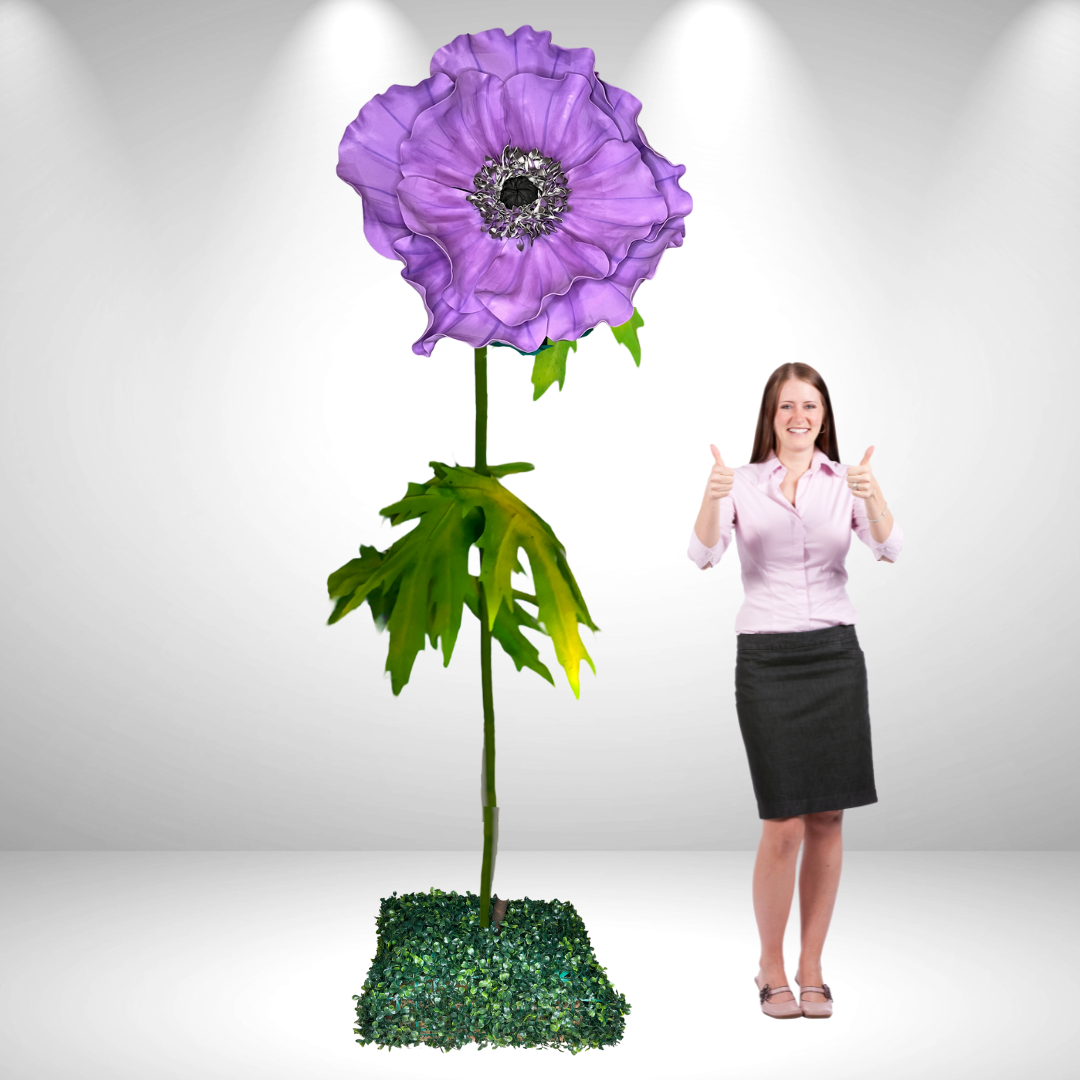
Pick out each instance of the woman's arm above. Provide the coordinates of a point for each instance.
(716, 524)
(716, 517)
(879, 530)
(707, 525)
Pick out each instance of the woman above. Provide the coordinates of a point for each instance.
(800, 676)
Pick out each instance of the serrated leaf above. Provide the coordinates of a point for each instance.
(626, 334)
(417, 587)
(343, 583)
(420, 584)
(507, 633)
(550, 365)
(510, 525)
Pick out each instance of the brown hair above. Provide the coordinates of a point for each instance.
(765, 438)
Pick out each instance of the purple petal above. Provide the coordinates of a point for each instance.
(643, 257)
(613, 200)
(588, 303)
(666, 177)
(369, 157)
(557, 117)
(427, 268)
(585, 305)
(476, 329)
(441, 212)
(516, 283)
(623, 108)
(450, 140)
(496, 53)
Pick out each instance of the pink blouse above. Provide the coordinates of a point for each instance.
(792, 557)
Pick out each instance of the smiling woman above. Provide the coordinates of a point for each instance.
(800, 677)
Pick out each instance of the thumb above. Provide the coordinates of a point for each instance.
(716, 454)
(866, 456)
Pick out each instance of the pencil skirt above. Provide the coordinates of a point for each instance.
(803, 710)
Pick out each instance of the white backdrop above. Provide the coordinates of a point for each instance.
(208, 393)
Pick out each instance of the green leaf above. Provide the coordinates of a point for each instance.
(507, 633)
(508, 526)
(627, 335)
(420, 584)
(550, 364)
(513, 467)
(344, 582)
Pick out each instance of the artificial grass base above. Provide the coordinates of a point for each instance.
(439, 979)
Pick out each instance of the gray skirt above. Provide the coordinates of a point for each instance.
(804, 715)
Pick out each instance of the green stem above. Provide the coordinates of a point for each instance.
(489, 803)
(490, 806)
(480, 367)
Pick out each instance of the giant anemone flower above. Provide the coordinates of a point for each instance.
(518, 190)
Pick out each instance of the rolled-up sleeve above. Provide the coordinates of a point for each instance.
(706, 557)
(890, 547)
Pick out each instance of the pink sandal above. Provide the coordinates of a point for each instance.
(779, 1010)
(816, 1010)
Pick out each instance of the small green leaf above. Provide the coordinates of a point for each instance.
(550, 365)
(627, 335)
(513, 467)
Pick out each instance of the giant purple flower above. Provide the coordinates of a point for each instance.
(518, 190)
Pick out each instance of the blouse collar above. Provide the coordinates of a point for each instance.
(820, 461)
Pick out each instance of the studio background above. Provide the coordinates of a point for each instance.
(208, 393)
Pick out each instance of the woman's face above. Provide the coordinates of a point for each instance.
(800, 408)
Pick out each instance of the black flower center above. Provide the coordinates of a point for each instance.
(518, 191)
(520, 195)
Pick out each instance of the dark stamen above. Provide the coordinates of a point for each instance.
(518, 191)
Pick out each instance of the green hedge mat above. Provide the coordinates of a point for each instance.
(440, 979)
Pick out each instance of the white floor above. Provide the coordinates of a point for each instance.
(204, 965)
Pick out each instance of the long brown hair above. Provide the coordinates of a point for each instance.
(765, 438)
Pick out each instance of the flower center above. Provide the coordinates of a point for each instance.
(520, 194)
(518, 191)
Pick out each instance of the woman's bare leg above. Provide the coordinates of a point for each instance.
(774, 886)
(819, 879)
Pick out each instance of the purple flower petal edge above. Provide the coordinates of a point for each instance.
(501, 54)
(369, 157)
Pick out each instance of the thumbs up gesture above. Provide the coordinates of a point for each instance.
(721, 478)
(860, 479)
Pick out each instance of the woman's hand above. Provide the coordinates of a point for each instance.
(861, 479)
(721, 478)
